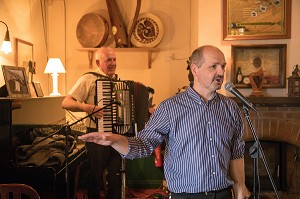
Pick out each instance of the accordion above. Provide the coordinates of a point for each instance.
(130, 114)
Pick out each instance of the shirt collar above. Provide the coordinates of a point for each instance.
(198, 99)
(100, 72)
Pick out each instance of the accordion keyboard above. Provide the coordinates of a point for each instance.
(116, 118)
(130, 115)
(104, 98)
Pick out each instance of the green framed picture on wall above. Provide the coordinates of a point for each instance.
(256, 19)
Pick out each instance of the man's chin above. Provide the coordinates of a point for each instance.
(218, 84)
(217, 87)
(111, 74)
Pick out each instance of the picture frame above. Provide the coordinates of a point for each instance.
(252, 59)
(32, 90)
(248, 20)
(16, 81)
(24, 54)
(38, 89)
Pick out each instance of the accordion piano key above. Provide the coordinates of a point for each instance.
(120, 119)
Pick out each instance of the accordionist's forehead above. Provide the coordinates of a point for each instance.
(109, 55)
(104, 53)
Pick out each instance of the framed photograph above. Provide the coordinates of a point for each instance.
(16, 81)
(38, 89)
(256, 19)
(32, 90)
(269, 61)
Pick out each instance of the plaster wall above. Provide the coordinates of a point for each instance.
(187, 24)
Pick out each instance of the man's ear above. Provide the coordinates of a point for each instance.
(193, 68)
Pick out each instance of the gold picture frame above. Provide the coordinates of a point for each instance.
(247, 60)
(246, 20)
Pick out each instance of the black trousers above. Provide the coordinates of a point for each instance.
(101, 159)
(221, 194)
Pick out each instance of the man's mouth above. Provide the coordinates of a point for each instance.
(219, 80)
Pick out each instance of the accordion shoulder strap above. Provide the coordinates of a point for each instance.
(98, 75)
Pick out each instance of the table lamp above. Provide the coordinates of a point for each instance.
(6, 45)
(54, 66)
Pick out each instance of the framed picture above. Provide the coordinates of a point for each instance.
(256, 19)
(24, 56)
(38, 89)
(16, 81)
(269, 61)
(32, 90)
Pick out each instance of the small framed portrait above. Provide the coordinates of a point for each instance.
(16, 81)
(38, 89)
(265, 62)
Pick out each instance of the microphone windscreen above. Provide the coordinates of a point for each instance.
(229, 86)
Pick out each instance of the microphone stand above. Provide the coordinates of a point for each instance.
(256, 152)
(67, 130)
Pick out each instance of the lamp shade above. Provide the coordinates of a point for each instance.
(6, 45)
(54, 65)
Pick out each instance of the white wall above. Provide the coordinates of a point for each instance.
(168, 72)
(24, 22)
(187, 25)
(211, 13)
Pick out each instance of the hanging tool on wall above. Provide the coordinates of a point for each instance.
(136, 14)
(117, 24)
(119, 30)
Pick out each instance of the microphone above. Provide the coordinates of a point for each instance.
(231, 88)
(119, 103)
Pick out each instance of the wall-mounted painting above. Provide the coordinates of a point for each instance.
(256, 19)
(24, 56)
(269, 61)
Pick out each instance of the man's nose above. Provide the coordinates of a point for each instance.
(220, 69)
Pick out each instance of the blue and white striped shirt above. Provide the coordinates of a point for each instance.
(201, 139)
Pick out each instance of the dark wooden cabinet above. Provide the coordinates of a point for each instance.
(5, 132)
(16, 117)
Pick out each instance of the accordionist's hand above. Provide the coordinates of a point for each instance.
(89, 108)
(151, 109)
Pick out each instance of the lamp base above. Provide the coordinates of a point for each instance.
(55, 94)
(55, 85)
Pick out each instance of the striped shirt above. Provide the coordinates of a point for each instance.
(201, 139)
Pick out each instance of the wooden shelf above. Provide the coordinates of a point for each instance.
(147, 50)
(271, 101)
